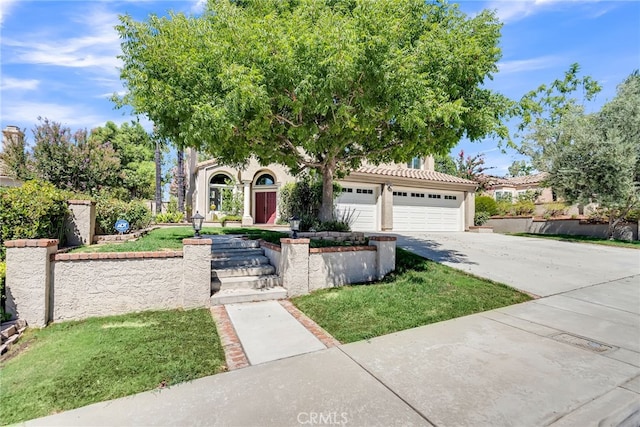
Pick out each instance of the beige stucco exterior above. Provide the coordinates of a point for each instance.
(382, 177)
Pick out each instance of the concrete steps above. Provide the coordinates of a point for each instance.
(234, 296)
(241, 273)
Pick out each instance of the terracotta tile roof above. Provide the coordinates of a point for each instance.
(516, 180)
(415, 174)
(527, 179)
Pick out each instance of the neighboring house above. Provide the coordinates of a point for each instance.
(398, 197)
(5, 179)
(511, 188)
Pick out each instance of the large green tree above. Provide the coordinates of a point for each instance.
(595, 157)
(72, 161)
(135, 149)
(316, 84)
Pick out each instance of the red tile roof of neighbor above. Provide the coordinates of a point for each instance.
(517, 180)
(415, 174)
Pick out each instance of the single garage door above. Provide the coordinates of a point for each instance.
(424, 210)
(360, 204)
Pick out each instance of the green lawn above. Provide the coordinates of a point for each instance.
(170, 238)
(583, 239)
(419, 292)
(73, 364)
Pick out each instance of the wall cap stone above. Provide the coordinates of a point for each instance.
(289, 241)
(342, 249)
(195, 242)
(81, 202)
(31, 243)
(86, 256)
(270, 245)
(383, 238)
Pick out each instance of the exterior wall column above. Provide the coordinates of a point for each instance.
(294, 266)
(469, 209)
(28, 281)
(386, 221)
(196, 279)
(247, 219)
(80, 226)
(385, 254)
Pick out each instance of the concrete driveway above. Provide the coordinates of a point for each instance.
(542, 267)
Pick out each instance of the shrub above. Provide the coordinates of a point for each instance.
(554, 209)
(232, 202)
(529, 196)
(333, 225)
(303, 198)
(227, 218)
(524, 207)
(486, 204)
(169, 217)
(108, 211)
(35, 210)
(504, 207)
(481, 218)
(3, 273)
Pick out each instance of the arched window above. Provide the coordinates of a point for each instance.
(217, 185)
(265, 179)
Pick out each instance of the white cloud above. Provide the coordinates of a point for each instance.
(5, 7)
(9, 83)
(519, 65)
(69, 115)
(514, 10)
(97, 49)
(198, 6)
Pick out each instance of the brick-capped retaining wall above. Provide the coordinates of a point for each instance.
(44, 286)
(305, 269)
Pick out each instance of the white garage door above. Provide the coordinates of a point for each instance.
(424, 210)
(360, 204)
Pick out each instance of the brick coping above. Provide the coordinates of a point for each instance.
(324, 336)
(233, 352)
(342, 249)
(31, 243)
(383, 238)
(83, 256)
(270, 245)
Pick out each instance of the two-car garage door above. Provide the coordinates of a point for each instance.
(425, 210)
(413, 209)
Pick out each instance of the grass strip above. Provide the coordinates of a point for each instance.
(73, 364)
(418, 293)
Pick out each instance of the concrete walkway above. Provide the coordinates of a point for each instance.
(268, 332)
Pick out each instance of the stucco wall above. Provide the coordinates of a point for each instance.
(104, 287)
(272, 252)
(340, 267)
(80, 225)
(510, 225)
(576, 228)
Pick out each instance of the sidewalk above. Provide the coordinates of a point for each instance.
(564, 360)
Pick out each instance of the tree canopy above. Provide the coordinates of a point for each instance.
(594, 157)
(319, 84)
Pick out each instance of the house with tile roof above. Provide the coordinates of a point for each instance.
(511, 188)
(388, 197)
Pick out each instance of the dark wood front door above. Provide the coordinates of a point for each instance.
(266, 207)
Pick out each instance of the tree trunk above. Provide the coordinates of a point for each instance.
(180, 180)
(326, 209)
(158, 160)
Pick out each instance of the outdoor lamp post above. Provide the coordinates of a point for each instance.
(294, 222)
(196, 221)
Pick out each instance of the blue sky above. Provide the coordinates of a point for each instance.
(58, 58)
